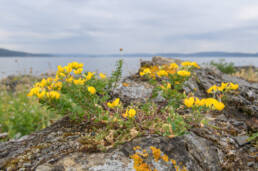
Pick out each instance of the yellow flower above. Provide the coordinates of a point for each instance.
(69, 79)
(57, 78)
(78, 71)
(60, 69)
(75, 65)
(168, 86)
(50, 80)
(79, 81)
(219, 105)
(194, 64)
(131, 113)
(53, 95)
(199, 102)
(196, 101)
(209, 102)
(190, 64)
(62, 74)
(173, 66)
(41, 94)
(145, 71)
(89, 76)
(34, 91)
(186, 63)
(58, 85)
(184, 73)
(43, 83)
(92, 90)
(189, 101)
(223, 86)
(212, 89)
(162, 73)
(233, 86)
(115, 103)
(68, 69)
(101, 75)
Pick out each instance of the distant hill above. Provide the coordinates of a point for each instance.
(197, 54)
(12, 53)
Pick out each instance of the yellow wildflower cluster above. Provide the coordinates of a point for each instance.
(184, 73)
(190, 64)
(53, 95)
(75, 67)
(160, 71)
(79, 81)
(46, 88)
(222, 87)
(72, 70)
(113, 104)
(141, 155)
(129, 113)
(165, 70)
(145, 71)
(206, 102)
(41, 93)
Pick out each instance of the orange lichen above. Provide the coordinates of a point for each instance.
(156, 153)
(165, 158)
(141, 155)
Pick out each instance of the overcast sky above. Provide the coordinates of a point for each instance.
(103, 26)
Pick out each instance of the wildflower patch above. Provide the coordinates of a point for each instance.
(85, 95)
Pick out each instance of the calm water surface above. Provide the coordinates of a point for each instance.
(38, 65)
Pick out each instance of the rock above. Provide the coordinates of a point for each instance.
(3, 135)
(159, 60)
(212, 147)
(241, 140)
(134, 92)
(44, 168)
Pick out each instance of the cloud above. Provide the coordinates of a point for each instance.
(101, 26)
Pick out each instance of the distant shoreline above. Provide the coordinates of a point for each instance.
(124, 56)
(12, 53)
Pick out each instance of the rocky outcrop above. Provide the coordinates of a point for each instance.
(221, 146)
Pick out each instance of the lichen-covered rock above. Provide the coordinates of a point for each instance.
(221, 146)
(138, 92)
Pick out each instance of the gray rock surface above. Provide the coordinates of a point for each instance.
(220, 147)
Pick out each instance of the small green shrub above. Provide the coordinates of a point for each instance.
(224, 67)
(20, 115)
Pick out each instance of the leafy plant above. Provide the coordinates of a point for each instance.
(21, 116)
(224, 67)
(116, 75)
